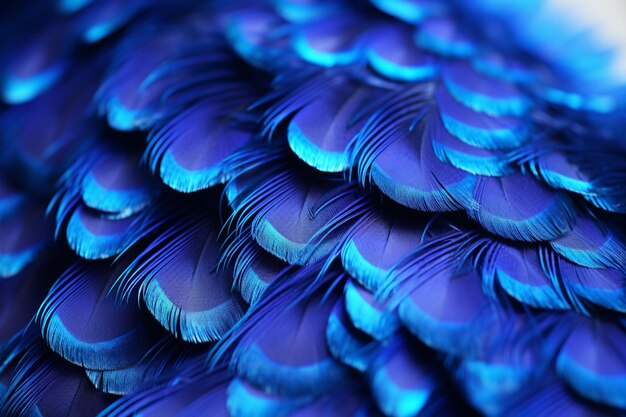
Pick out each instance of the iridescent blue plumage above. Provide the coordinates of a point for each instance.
(372, 208)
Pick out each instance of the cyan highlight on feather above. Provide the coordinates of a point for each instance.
(398, 208)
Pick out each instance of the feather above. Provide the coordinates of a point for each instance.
(38, 152)
(117, 184)
(163, 360)
(189, 151)
(502, 373)
(448, 311)
(540, 213)
(128, 98)
(320, 132)
(401, 383)
(443, 36)
(591, 244)
(181, 283)
(302, 11)
(592, 363)
(46, 386)
(204, 70)
(286, 359)
(36, 66)
(432, 185)
(254, 270)
(564, 97)
(346, 343)
(339, 404)
(411, 11)
(475, 160)
(392, 53)
(100, 19)
(296, 363)
(520, 273)
(504, 66)
(601, 286)
(82, 322)
(399, 208)
(291, 93)
(191, 393)
(557, 171)
(21, 296)
(551, 398)
(93, 236)
(368, 314)
(379, 243)
(256, 35)
(573, 166)
(480, 129)
(335, 41)
(10, 198)
(484, 94)
(245, 400)
(25, 234)
(400, 160)
(72, 6)
(297, 220)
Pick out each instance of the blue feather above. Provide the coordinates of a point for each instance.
(78, 321)
(183, 260)
(25, 235)
(477, 161)
(256, 35)
(504, 66)
(72, 6)
(191, 392)
(592, 363)
(520, 272)
(601, 286)
(479, 129)
(254, 269)
(368, 314)
(393, 55)
(347, 343)
(94, 237)
(400, 208)
(591, 244)
(320, 132)
(401, 161)
(205, 130)
(400, 383)
(246, 401)
(45, 386)
(538, 214)
(164, 359)
(331, 42)
(443, 36)
(297, 365)
(484, 94)
(411, 11)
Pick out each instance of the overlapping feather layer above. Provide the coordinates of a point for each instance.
(308, 207)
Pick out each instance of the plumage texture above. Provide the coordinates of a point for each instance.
(391, 208)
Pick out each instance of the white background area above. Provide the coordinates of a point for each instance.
(606, 20)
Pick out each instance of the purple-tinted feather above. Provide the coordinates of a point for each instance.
(190, 149)
(592, 362)
(82, 321)
(287, 351)
(519, 207)
(47, 386)
(320, 132)
(592, 244)
(25, 234)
